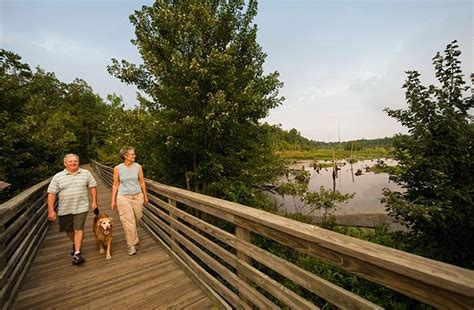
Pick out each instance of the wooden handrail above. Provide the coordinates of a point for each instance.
(23, 225)
(439, 284)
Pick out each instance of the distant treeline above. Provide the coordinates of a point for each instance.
(292, 140)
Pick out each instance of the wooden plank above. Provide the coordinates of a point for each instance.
(203, 241)
(23, 230)
(448, 280)
(53, 282)
(325, 289)
(455, 285)
(159, 235)
(157, 201)
(17, 224)
(9, 208)
(22, 261)
(431, 294)
(278, 290)
(245, 289)
(214, 231)
(320, 287)
(8, 272)
(231, 260)
(172, 193)
(217, 299)
(244, 235)
(173, 203)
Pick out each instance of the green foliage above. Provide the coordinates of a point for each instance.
(203, 72)
(352, 146)
(291, 140)
(380, 235)
(326, 154)
(122, 126)
(307, 202)
(375, 293)
(42, 119)
(359, 144)
(382, 167)
(436, 163)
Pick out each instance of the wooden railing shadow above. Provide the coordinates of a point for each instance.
(23, 225)
(224, 260)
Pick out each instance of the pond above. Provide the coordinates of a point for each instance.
(368, 186)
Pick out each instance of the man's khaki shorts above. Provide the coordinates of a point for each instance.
(71, 222)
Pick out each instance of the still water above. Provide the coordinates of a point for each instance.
(367, 187)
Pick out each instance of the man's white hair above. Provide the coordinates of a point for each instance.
(70, 155)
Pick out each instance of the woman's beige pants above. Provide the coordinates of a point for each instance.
(130, 208)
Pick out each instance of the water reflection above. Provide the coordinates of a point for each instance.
(359, 180)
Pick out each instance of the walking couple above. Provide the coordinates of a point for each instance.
(129, 196)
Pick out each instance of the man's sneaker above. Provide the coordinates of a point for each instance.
(77, 259)
(131, 250)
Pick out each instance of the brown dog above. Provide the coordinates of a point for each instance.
(103, 232)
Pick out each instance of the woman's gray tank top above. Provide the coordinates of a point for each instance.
(128, 178)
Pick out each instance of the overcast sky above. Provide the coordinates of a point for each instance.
(341, 62)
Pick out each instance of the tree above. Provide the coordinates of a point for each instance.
(32, 132)
(203, 72)
(436, 163)
(122, 126)
(307, 202)
(352, 146)
(42, 119)
(87, 111)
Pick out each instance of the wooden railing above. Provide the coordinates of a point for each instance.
(215, 256)
(23, 225)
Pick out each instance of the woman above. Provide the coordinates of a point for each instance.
(129, 196)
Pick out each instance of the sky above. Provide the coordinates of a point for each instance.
(341, 61)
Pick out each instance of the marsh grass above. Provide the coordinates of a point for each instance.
(326, 154)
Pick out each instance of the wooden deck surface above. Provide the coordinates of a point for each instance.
(148, 280)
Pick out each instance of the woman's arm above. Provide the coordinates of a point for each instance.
(141, 180)
(115, 185)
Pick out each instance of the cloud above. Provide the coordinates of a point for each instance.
(65, 47)
(70, 59)
(350, 100)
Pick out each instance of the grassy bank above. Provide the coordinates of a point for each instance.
(326, 154)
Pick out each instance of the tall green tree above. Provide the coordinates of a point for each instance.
(203, 73)
(436, 162)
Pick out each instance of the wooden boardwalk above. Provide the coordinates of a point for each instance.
(150, 279)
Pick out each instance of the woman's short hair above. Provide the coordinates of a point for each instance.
(70, 155)
(124, 151)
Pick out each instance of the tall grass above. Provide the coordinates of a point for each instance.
(326, 154)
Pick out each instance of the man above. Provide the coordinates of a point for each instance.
(72, 186)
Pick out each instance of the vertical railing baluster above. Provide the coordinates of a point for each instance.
(173, 216)
(243, 234)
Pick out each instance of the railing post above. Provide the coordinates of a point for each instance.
(171, 214)
(243, 234)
